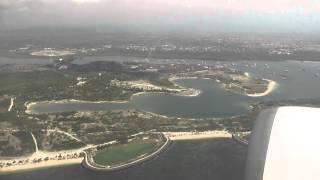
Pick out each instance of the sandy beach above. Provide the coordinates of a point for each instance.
(176, 136)
(189, 93)
(173, 78)
(29, 105)
(52, 53)
(11, 104)
(150, 88)
(43, 164)
(43, 159)
(271, 86)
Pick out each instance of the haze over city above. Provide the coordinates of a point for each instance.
(209, 16)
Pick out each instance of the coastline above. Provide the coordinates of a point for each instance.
(178, 136)
(41, 159)
(29, 105)
(41, 165)
(173, 78)
(189, 93)
(186, 92)
(11, 104)
(87, 164)
(271, 87)
(183, 92)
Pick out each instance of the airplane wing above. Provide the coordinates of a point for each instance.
(285, 145)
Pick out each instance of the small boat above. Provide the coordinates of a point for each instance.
(284, 77)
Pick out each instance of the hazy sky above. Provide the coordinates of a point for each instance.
(187, 15)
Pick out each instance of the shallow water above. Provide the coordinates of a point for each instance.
(214, 101)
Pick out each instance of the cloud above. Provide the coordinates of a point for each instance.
(263, 6)
(85, 1)
(207, 14)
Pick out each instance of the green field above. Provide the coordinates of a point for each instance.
(123, 153)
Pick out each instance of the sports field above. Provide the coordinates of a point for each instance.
(123, 153)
